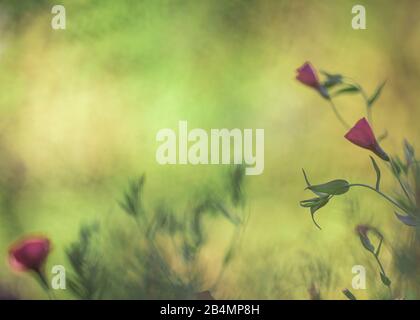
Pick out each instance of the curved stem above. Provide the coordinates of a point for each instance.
(43, 281)
(365, 97)
(368, 108)
(337, 114)
(380, 264)
(380, 193)
(383, 272)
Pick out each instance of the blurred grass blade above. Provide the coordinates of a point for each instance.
(376, 94)
(378, 173)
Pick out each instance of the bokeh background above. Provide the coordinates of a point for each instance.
(80, 108)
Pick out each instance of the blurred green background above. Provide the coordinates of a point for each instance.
(80, 108)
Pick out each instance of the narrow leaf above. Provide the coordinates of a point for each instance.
(407, 220)
(409, 153)
(322, 202)
(378, 172)
(306, 178)
(313, 220)
(347, 89)
(348, 294)
(309, 202)
(315, 204)
(332, 79)
(308, 184)
(376, 94)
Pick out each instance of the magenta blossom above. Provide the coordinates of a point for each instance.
(29, 254)
(308, 76)
(362, 229)
(362, 135)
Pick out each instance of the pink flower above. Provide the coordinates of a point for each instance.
(29, 254)
(362, 135)
(308, 76)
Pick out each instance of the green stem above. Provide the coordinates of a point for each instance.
(383, 272)
(380, 193)
(365, 97)
(399, 180)
(380, 264)
(337, 114)
(368, 108)
(44, 284)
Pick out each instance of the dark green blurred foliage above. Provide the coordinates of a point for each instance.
(407, 253)
(88, 280)
(12, 185)
(167, 254)
(318, 276)
(80, 108)
(18, 11)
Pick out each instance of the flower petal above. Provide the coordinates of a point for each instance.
(29, 253)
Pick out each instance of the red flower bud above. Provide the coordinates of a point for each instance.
(29, 254)
(308, 76)
(362, 135)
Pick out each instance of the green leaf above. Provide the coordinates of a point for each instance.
(236, 182)
(398, 166)
(376, 94)
(313, 220)
(335, 187)
(319, 204)
(378, 173)
(409, 153)
(332, 79)
(348, 294)
(385, 280)
(308, 184)
(407, 220)
(315, 204)
(309, 203)
(347, 89)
